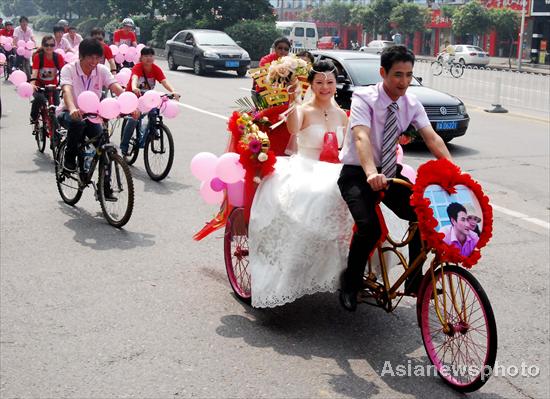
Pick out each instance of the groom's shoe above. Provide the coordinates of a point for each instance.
(348, 300)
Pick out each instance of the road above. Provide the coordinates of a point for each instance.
(89, 311)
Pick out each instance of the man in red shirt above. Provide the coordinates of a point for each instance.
(99, 34)
(46, 65)
(144, 76)
(125, 35)
(7, 30)
(281, 47)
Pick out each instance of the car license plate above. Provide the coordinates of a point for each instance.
(231, 64)
(481, 55)
(446, 125)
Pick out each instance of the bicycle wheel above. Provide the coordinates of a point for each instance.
(463, 350)
(158, 154)
(117, 209)
(41, 132)
(236, 255)
(437, 68)
(67, 183)
(457, 70)
(133, 145)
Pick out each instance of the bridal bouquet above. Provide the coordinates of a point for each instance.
(282, 71)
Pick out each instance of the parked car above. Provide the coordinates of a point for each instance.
(468, 55)
(204, 50)
(302, 35)
(447, 114)
(376, 46)
(326, 42)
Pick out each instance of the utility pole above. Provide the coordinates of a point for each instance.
(520, 41)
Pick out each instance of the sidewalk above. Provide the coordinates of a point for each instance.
(502, 63)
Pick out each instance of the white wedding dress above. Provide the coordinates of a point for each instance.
(300, 227)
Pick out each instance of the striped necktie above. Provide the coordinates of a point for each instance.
(391, 133)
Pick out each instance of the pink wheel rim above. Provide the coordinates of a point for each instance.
(236, 254)
(458, 354)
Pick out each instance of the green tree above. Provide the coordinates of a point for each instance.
(364, 15)
(256, 37)
(336, 11)
(380, 15)
(19, 7)
(471, 18)
(410, 18)
(506, 23)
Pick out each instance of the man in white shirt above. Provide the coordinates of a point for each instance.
(72, 37)
(379, 114)
(23, 32)
(60, 42)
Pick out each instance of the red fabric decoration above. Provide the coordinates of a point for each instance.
(447, 175)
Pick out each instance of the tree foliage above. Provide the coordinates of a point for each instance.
(471, 18)
(256, 37)
(336, 11)
(505, 22)
(410, 18)
(18, 7)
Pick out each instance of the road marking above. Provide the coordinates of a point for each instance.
(521, 216)
(498, 208)
(244, 88)
(225, 118)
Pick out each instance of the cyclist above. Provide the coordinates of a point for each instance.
(99, 34)
(46, 66)
(144, 76)
(379, 114)
(76, 77)
(449, 54)
(7, 31)
(73, 37)
(23, 32)
(125, 35)
(60, 42)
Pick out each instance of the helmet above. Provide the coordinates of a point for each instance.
(128, 22)
(63, 22)
(8, 22)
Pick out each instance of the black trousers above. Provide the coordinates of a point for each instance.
(361, 200)
(40, 99)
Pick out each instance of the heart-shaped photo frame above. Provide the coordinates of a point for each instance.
(454, 215)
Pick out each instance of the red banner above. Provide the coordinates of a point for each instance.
(511, 4)
(438, 21)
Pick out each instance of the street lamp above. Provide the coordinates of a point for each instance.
(520, 41)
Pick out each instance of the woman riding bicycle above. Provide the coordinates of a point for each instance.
(144, 76)
(46, 66)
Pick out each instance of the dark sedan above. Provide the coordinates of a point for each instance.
(204, 50)
(447, 113)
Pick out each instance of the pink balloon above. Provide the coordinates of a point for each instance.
(122, 79)
(61, 52)
(1, 69)
(235, 193)
(30, 45)
(25, 90)
(114, 49)
(229, 169)
(18, 77)
(128, 102)
(69, 57)
(21, 43)
(170, 109)
(119, 58)
(88, 102)
(217, 185)
(137, 58)
(8, 46)
(143, 105)
(123, 49)
(109, 108)
(399, 153)
(28, 54)
(203, 166)
(409, 172)
(20, 51)
(210, 196)
(131, 51)
(152, 99)
(2, 58)
(139, 47)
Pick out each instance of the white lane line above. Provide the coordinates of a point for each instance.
(244, 88)
(225, 118)
(521, 216)
(498, 208)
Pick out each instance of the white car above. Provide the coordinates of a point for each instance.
(467, 54)
(376, 46)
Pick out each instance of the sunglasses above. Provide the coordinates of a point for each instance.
(49, 45)
(283, 48)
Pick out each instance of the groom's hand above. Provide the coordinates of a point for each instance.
(377, 181)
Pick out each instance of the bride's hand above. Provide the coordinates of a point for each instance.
(293, 90)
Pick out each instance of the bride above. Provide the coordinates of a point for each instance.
(300, 227)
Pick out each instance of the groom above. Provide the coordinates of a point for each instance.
(379, 114)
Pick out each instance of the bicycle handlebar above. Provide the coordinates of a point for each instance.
(401, 182)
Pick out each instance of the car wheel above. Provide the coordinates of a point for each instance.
(197, 67)
(171, 64)
(241, 72)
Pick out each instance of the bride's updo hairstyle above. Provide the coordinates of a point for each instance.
(324, 66)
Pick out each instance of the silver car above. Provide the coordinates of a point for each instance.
(376, 46)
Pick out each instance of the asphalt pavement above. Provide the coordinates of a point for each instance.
(89, 311)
